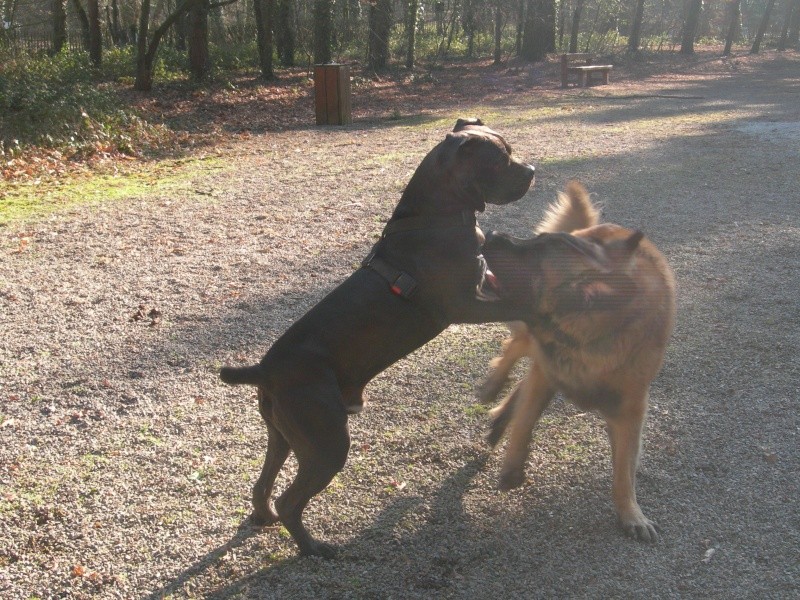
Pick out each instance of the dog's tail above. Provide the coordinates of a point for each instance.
(242, 375)
(572, 210)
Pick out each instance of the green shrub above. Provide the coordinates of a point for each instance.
(233, 57)
(119, 62)
(57, 102)
(171, 64)
(601, 43)
(45, 97)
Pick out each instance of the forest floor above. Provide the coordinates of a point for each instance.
(126, 465)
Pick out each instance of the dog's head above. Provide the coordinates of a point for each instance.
(560, 273)
(471, 168)
(484, 169)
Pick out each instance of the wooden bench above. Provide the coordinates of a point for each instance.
(581, 65)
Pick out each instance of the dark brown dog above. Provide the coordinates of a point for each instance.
(602, 307)
(420, 277)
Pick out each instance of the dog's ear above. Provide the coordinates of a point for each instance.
(596, 294)
(609, 289)
(461, 123)
(632, 243)
(454, 143)
(621, 251)
(582, 282)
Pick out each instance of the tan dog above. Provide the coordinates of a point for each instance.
(602, 309)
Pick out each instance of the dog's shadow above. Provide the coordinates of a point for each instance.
(446, 509)
(243, 533)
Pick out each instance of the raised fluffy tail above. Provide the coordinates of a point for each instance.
(242, 375)
(572, 210)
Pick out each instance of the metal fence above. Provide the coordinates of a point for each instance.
(36, 42)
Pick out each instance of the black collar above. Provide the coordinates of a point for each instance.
(401, 283)
(465, 218)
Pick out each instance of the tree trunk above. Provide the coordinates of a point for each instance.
(380, 24)
(95, 37)
(794, 27)
(693, 9)
(762, 28)
(469, 26)
(520, 26)
(284, 32)
(84, 21)
(539, 36)
(198, 41)
(323, 30)
(576, 24)
(451, 28)
(262, 11)
(59, 25)
(733, 26)
(439, 16)
(351, 11)
(181, 32)
(636, 27)
(411, 32)
(498, 34)
(119, 37)
(146, 53)
(144, 62)
(792, 6)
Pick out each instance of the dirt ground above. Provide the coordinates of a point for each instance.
(126, 466)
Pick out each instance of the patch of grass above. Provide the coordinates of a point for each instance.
(31, 200)
(571, 163)
(91, 460)
(279, 555)
(390, 158)
(477, 410)
(335, 485)
(146, 436)
(571, 438)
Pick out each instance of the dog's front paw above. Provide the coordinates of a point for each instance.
(488, 391)
(511, 479)
(263, 518)
(317, 548)
(498, 428)
(641, 529)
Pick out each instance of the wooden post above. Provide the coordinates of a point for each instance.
(332, 94)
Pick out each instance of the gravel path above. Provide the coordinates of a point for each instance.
(126, 466)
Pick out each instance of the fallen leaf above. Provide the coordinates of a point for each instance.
(78, 571)
(23, 243)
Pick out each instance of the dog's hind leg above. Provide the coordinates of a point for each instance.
(277, 451)
(625, 433)
(515, 348)
(320, 441)
(501, 416)
(533, 395)
(315, 471)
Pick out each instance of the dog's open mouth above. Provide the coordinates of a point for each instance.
(489, 288)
